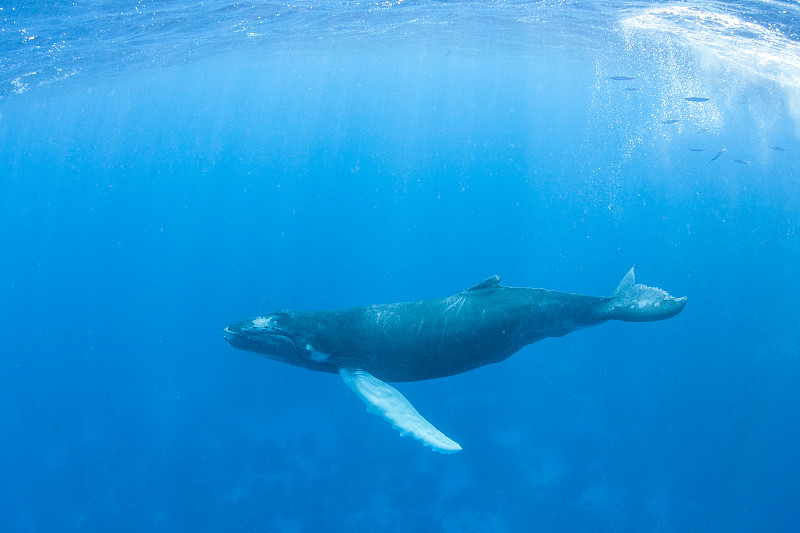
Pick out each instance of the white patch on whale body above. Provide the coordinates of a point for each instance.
(262, 321)
(319, 357)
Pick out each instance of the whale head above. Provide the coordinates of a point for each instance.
(265, 335)
(279, 337)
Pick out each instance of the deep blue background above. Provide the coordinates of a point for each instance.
(141, 213)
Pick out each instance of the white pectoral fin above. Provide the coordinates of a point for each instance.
(387, 402)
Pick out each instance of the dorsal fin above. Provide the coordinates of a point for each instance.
(488, 283)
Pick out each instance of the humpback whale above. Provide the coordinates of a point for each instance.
(410, 341)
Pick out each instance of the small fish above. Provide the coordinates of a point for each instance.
(778, 148)
(718, 154)
(742, 161)
(697, 149)
(632, 89)
(622, 78)
(696, 99)
(447, 54)
(671, 121)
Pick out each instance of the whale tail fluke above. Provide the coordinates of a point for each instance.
(633, 302)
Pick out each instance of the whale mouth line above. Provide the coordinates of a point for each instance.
(259, 339)
(282, 337)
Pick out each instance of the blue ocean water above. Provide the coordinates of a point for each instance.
(167, 168)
